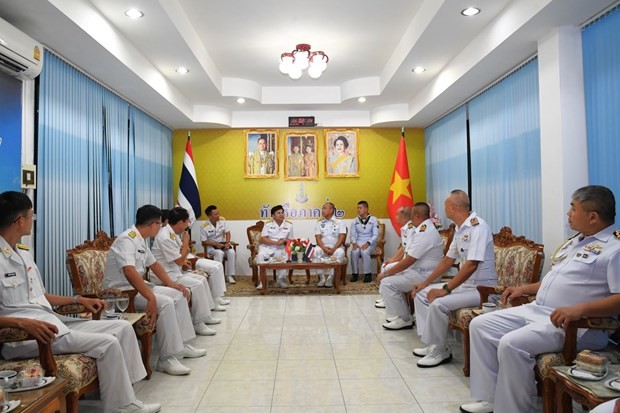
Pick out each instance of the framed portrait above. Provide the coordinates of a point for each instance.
(301, 163)
(341, 153)
(261, 154)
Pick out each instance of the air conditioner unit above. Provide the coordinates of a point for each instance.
(20, 55)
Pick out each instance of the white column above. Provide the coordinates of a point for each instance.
(563, 145)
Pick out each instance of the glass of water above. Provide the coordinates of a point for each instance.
(122, 302)
(110, 305)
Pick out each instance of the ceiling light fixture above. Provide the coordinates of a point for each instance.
(240, 101)
(302, 58)
(470, 11)
(418, 69)
(361, 99)
(134, 13)
(182, 70)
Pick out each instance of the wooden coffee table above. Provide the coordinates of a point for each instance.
(338, 268)
(48, 399)
(586, 393)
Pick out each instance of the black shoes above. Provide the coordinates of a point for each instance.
(367, 278)
(354, 278)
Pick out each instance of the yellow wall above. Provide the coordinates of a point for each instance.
(219, 161)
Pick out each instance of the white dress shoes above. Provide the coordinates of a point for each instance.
(139, 407)
(190, 352)
(202, 330)
(439, 355)
(282, 284)
(380, 304)
(398, 324)
(231, 280)
(380, 300)
(321, 281)
(392, 318)
(478, 407)
(259, 286)
(213, 320)
(329, 283)
(218, 308)
(222, 301)
(172, 366)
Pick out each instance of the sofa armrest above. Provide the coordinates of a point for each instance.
(569, 351)
(46, 358)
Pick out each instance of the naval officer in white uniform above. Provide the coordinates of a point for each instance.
(170, 249)
(217, 237)
(473, 245)
(273, 242)
(364, 234)
(25, 304)
(423, 254)
(330, 233)
(127, 261)
(584, 281)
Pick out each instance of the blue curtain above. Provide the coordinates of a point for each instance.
(601, 63)
(505, 153)
(446, 159)
(87, 168)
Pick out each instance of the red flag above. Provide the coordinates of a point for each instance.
(400, 188)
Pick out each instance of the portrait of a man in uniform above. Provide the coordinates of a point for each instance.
(261, 154)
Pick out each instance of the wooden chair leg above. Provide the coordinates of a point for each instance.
(307, 277)
(290, 277)
(255, 274)
(548, 396)
(145, 344)
(466, 352)
(72, 402)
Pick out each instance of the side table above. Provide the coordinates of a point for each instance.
(587, 393)
(48, 399)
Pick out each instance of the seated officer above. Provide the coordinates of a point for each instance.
(330, 234)
(273, 242)
(171, 248)
(127, 261)
(424, 252)
(473, 244)
(364, 234)
(25, 304)
(584, 281)
(217, 237)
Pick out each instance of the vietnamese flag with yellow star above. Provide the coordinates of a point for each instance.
(400, 189)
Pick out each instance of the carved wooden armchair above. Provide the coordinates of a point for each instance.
(253, 232)
(379, 252)
(518, 261)
(78, 370)
(86, 264)
(447, 235)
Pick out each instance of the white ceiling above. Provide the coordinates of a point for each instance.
(232, 49)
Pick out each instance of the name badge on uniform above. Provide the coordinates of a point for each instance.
(465, 238)
(9, 274)
(141, 251)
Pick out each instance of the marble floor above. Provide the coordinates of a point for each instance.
(311, 354)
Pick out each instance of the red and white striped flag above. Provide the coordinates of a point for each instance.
(188, 196)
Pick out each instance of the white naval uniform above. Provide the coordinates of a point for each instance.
(167, 249)
(406, 233)
(174, 322)
(217, 233)
(504, 344)
(111, 343)
(363, 231)
(330, 230)
(473, 241)
(426, 247)
(216, 280)
(274, 232)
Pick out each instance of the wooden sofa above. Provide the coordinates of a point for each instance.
(518, 261)
(86, 263)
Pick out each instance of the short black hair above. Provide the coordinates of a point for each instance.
(177, 214)
(276, 209)
(12, 204)
(164, 215)
(423, 209)
(210, 209)
(148, 214)
(363, 203)
(599, 199)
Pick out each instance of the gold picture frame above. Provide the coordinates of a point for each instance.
(261, 159)
(341, 153)
(301, 162)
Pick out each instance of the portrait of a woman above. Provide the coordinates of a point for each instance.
(342, 155)
(309, 162)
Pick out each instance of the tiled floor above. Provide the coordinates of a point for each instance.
(312, 354)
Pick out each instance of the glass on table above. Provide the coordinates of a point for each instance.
(109, 302)
(122, 302)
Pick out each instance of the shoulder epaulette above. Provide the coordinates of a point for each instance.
(132, 234)
(222, 219)
(205, 224)
(287, 221)
(320, 219)
(617, 234)
(23, 247)
(474, 221)
(7, 251)
(422, 228)
(410, 225)
(172, 235)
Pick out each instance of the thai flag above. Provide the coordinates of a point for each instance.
(188, 196)
(309, 251)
